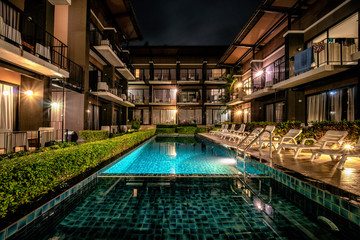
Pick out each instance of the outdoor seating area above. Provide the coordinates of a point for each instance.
(14, 141)
(332, 143)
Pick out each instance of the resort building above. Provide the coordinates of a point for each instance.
(178, 85)
(64, 65)
(297, 60)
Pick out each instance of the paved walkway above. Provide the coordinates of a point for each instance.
(323, 169)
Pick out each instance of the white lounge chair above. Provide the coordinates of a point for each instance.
(227, 131)
(223, 127)
(330, 139)
(250, 137)
(288, 138)
(336, 154)
(240, 131)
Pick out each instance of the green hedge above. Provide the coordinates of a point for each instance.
(93, 135)
(187, 125)
(25, 179)
(135, 124)
(201, 130)
(165, 130)
(186, 130)
(166, 126)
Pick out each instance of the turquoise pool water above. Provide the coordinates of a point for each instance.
(178, 155)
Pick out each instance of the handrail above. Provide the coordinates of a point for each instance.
(250, 144)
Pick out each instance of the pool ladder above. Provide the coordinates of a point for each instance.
(258, 138)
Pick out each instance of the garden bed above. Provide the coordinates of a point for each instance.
(29, 181)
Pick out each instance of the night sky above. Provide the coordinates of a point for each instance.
(191, 22)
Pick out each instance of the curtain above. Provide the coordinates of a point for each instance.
(279, 112)
(155, 116)
(269, 111)
(6, 107)
(316, 108)
(168, 116)
(96, 117)
(209, 119)
(351, 106)
(335, 105)
(145, 116)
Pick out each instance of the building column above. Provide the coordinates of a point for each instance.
(204, 70)
(294, 43)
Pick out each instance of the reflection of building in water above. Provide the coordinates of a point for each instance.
(168, 149)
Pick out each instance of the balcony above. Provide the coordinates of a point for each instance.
(139, 96)
(164, 97)
(189, 98)
(126, 73)
(325, 58)
(109, 53)
(236, 98)
(190, 76)
(115, 94)
(25, 44)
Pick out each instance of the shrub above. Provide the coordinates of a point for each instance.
(93, 135)
(26, 179)
(45, 149)
(165, 130)
(201, 130)
(135, 124)
(166, 125)
(187, 125)
(186, 130)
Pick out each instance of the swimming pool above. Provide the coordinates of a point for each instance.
(179, 155)
(171, 207)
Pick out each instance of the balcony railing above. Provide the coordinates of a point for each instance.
(19, 30)
(190, 74)
(330, 51)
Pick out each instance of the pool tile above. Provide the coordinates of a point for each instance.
(2, 235)
(30, 217)
(11, 230)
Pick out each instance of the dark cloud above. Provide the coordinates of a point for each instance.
(192, 22)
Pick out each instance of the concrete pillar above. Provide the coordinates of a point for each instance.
(79, 45)
(294, 43)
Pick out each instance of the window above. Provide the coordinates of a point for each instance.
(340, 42)
(95, 76)
(190, 74)
(214, 95)
(7, 107)
(247, 86)
(142, 115)
(216, 74)
(93, 117)
(275, 72)
(217, 116)
(164, 95)
(335, 105)
(142, 74)
(190, 116)
(139, 95)
(274, 112)
(189, 96)
(163, 116)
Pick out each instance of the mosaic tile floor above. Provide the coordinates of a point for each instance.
(196, 211)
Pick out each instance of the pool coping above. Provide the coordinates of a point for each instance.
(340, 201)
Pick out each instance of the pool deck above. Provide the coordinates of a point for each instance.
(319, 171)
